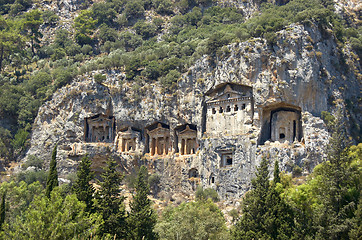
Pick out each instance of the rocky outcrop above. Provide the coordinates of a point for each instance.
(301, 72)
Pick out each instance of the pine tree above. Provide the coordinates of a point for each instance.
(337, 198)
(279, 219)
(251, 224)
(52, 180)
(110, 203)
(142, 218)
(265, 214)
(82, 187)
(2, 210)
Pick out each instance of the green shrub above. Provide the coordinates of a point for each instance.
(106, 33)
(59, 53)
(208, 193)
(158, 22)
(19, 141)
(169, 81)
(151, 71)
(5, 140)
(146, 30)
(63, 76)
(327, 118)
(297, 171)
(87, 49)
(356, 44)
(205, 217)
(163, 7)
(130, 41)
(33, 161)
(134, 10)
(32, 176)
(104, 12)
(100, 78)
(50, 17)
(83, 39)
(73, 49)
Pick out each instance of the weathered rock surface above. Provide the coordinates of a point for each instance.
(302, 69)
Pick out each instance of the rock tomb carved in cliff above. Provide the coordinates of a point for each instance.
(128, 139)
(159, 140)
(229, 108)
(186, 139)
(99, 128)
(281, 122)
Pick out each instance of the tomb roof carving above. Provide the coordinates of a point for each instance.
(156, 125)
(129, 129)
(229, 92)
(187, 130)
(100, 116)
(186, 127)
(279, 105)
(228, 87)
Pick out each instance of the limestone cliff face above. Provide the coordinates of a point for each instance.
(294, 80)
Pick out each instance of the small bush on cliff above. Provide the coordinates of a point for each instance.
(208, 193)
(100, 78)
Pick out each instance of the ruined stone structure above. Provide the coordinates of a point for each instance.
(229, 108)
(128, 140)
(281, 122)
(158, 137)
(99, 128)
(186, 139)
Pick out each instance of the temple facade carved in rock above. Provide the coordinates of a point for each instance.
(99, 128)
(229, 108)
(128, 140)
(186, 139)
(159, 140)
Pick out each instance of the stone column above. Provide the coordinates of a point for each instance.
(126, 147)
(185, 147)
(151, 146)
(121, 144)
(164, 147)
(182, 148)
(156, 145)
(193, 147)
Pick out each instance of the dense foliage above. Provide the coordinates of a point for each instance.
(194, 220)
(83, 187)
(327, 206)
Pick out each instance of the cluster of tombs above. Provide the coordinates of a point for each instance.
(229, 110)
(158, 139)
